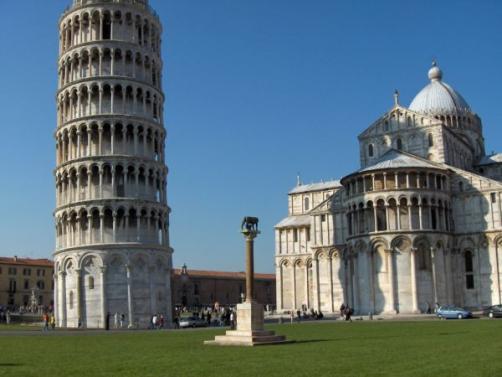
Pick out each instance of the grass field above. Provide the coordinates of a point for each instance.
(382, 348)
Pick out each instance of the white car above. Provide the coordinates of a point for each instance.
(192, 322)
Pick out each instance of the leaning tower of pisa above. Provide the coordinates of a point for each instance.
(112, 219)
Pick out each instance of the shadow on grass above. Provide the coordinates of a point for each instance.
(307, 341)
(10, 365)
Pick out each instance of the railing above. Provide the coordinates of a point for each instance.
(83, 3)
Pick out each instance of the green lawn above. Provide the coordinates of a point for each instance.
(381, 348)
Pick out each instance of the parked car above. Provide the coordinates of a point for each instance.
(192, 322)
(493, 311)
(453, 312)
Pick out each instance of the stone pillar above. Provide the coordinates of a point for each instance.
(434, 276)
(315, 271)
(249, 268)
(78, 274)
(331, 293)
(414, 293)
(63, 322)
(103, 296)
(278, 292)
(392, 293)
(129, 296)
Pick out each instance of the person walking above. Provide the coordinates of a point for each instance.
(122, 319)
(52, 321)
(342, 310)
(107, 321)
(45, 319)
(348, 313)
(116, 320)
(291, 316)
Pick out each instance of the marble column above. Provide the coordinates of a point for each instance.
(414, 293)
(103, 296)
(129, 296)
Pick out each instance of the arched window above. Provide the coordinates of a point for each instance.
(469, 271)
(307, 204)
(399, 144)
(370, 150)
(91, 282)
(431, 140)
(424, 258)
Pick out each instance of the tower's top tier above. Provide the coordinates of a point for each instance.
(77, 3)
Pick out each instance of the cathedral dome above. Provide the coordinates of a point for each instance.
(438, 97)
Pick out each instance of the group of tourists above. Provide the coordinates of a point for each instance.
(157, 322)
(346, 312)
(49, 321)
(217, 315)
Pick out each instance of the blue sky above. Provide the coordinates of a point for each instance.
(257, 90)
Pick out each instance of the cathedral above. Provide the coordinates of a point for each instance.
(419, 224)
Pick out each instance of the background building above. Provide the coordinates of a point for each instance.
(194, 288)
(112, 219)
(419, 224)
(26, 282)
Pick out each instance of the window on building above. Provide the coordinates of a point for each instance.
(370, 150)
(295, 235)
(40, 284)
(12, 286)
(307, 204)
(424, 258)
(91, 282)
(0, 270)
(323, 218)
(469, 270)
(399, 144)
(12, 271)
(461, 186)
(40, 300)
(26, 300)
(26, 284)
(431, 140)
(493, 197)
(196, 289)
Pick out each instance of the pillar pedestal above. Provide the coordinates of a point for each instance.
(250, 330)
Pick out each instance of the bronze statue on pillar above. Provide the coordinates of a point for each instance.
(250, 330)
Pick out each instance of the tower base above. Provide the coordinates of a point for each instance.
(250, 330)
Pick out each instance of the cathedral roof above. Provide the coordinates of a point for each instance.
(438, 97)
(316, 186)
(493, 159)
(294, 221)
(396, 159)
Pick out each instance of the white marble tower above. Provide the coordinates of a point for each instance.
(112, 218)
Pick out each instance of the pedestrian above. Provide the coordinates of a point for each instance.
(122, 320)
(291, 316)
(342, 310)
(161, 321)
(116, 320)
(298, 314)
(348, 313)
(232, 320)
(107, 321)
(52, 321)
(153, 325)
(45, 319)
(209, 318)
